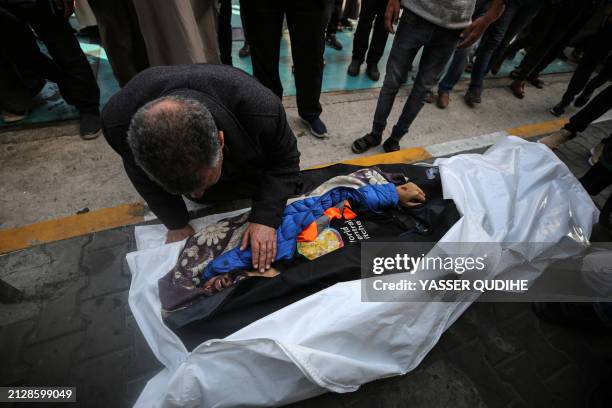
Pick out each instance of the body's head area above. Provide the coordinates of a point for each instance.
(176, 142)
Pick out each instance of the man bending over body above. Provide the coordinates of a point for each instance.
(210, 133)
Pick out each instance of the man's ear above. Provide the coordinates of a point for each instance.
(221, 137)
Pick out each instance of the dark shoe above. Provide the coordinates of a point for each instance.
(472, 97)
(333, 42)
(354, 67)
(365, 143)
(429, 98)
(372, 72)
(518, 88)
(443, 99)
(558, 109)
(89, 126)
(514, 73)
(496, 66)
(245, 51)
(316, 126)
(537, 82)
(391, 145)
(582, 99)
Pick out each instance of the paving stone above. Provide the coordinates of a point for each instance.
(569, 388)
(18, 312)
(522, 374)
(102, 381)
(472, 362)
(143, 361)
(109, 238)
(13, 369)
(106, 326)
(27, 259)
(105, 271)
(523, 333)
(65, 261)
(61, 314)
(51, 360)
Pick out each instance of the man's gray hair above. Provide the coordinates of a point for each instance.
(172, 139)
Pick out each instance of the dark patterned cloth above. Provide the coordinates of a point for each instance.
(182, 285)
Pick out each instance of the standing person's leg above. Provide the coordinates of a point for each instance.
(362, 34)
(224, 32)
(525, 15)
(206, 14)
(263, 20)
(489, 43)
(604, 76)
(332, 25)
(596, 51)
(245, 50)
(121, 37)
(411, 34)
(581, 120)
(307, 21)
(593, 110)
(76, 81)
(379, 41)
(436, 53)
(453, 75)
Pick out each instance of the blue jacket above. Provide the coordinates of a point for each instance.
(299, 215)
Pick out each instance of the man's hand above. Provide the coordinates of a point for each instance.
(263, 245)
(68, 8)
(179, 234)
(475, 30)
(392, 15)
(410, 195)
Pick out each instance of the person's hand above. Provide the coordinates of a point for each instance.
(474, 31)
(179, 234)
(410, 195)
(263, 245)
(217, 283)
(392, 15)
(68, 8)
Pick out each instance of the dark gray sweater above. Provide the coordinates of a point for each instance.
(260, 153)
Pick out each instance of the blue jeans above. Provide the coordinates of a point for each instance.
(517, 15)
(460, 57)
(455, 70)
(413, 33)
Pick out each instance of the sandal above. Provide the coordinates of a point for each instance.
(365, 143)
(518, 89)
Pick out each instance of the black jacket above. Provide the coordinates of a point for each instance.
(260, 153)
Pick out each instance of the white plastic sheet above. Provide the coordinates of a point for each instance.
(517, 191)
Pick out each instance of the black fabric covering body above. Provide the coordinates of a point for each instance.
(253, 298)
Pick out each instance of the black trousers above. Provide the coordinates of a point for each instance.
(334, 19)
(75, 78)
(372, 13)
(224, 32)
(20, 80)
(552, 29)
(121, 37)
(306, 20)
(596, 52)
(600, 175)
